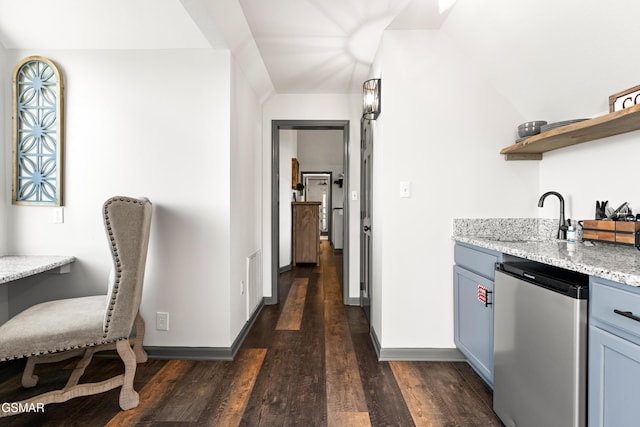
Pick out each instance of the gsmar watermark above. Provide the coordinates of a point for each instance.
(19, 407)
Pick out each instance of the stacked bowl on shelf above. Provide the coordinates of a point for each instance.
(527, 129)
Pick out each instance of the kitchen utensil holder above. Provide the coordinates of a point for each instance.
(619, 232)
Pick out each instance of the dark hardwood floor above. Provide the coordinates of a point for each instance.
(308, 361)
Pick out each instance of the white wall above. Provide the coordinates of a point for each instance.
(137, 123)
(246, 176)
(565, 72)
(555, 60)
(596, 170)
(315, 107)
(441, 128)
(288, 151)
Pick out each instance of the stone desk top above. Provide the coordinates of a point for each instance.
(619, 263)
(14, 267)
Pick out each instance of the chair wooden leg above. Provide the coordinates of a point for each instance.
(141, 355)
(28, 378)
(80, 368)
(31, 380)
(128, 396)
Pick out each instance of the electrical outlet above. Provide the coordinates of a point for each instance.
(58, 215)
(162, 321)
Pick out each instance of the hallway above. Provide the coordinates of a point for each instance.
(307, 361)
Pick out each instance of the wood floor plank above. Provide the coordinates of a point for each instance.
(351, 419)
(344, 387)
(291, 315)
(436, 394)
(291, 387)
(308, 400)
(424, 407)
(331, 280)
(192, 393)
(460, 400)
(385, 401)
(476, 384)
(153, 393)
(246, 369)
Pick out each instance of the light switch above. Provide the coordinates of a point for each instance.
(405, 189)
(58, 215)
(354, 195)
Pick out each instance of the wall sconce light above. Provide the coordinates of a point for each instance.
(371, 105)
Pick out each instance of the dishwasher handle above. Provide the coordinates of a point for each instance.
(627, 314)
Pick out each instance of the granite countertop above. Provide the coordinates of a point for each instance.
(532, 238)
(14, 267)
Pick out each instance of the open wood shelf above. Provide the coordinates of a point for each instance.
(615, 123)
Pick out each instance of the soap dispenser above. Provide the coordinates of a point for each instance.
(571, 233)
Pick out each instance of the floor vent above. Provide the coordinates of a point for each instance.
(254, 281)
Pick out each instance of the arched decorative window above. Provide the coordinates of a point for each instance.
(38, 101)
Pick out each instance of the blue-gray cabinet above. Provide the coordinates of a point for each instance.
(473, 277)
(614, 354)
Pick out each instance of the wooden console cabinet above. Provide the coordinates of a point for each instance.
(305, 220)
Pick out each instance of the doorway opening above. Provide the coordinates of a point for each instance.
(280, 199)
(317, 188)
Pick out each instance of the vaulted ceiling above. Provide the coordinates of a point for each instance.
(557, 59)
(307, 46)
(320, 46)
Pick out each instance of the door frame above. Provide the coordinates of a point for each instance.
(306, 174)
(276, 127)
(366, 237)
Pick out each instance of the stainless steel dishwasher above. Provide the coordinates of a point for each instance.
(540, 345)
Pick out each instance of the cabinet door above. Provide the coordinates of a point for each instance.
(306, 233)
(473, 322)
(614, 380)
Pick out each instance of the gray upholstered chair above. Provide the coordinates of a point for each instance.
(58, 330)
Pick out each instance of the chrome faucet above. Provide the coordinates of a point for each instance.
(562, 226)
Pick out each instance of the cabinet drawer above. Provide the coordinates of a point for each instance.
(605, 299)
(476, 260)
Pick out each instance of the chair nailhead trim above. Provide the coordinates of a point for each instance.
(63, 349)
(116, 258)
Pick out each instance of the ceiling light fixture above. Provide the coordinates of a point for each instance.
(371, 105)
